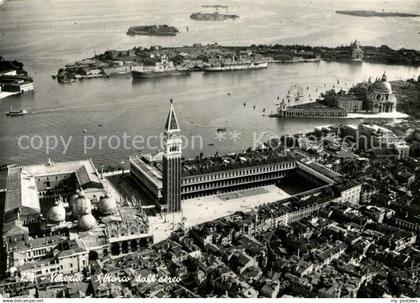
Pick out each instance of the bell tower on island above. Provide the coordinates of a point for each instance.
(172, 163)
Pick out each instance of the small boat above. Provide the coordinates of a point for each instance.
(210, 144)
(84, 130)
(228, 94)
(15, 113)
(254, 106)
(100, 125)
(222, 130)
(244, 103)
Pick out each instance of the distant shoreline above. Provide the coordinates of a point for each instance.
(195, 58)
(365, 13)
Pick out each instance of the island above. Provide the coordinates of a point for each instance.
(367, 13)
(153, 30)
(199, 57)
(212, 16)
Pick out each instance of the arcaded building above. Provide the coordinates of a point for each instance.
(203, 176)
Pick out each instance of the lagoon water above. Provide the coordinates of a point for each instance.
(45, 35)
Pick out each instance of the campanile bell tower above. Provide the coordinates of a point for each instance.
(172, 163)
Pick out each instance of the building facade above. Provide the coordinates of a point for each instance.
(310, 110)
(350, 103)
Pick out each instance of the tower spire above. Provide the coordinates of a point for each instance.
(171, 177)
(172, 121)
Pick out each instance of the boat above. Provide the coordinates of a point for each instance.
(15, 113)
(65, 78)
(222, 130)
(236, 66)
(315, 59)
(161, 69)
(295, 93)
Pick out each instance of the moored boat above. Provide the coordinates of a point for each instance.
(235, 67)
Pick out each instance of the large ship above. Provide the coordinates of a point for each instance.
(161, 69)
(236, 66)
(215, 16)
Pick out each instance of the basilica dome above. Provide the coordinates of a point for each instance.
(57, 213)
(382, 86)
(80, 205)
(107, 205)
(87, 221)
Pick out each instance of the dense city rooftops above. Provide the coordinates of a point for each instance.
(33, 243)
(346, 184)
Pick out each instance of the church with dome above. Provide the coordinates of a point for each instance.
(380, 97)
(357, 52)
(59, 215)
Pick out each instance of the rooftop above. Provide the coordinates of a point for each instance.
(239, 160)
(205, 165)
(150, 170)
(22, 190)
(84, 169)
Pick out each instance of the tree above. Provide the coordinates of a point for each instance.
(329, 98)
